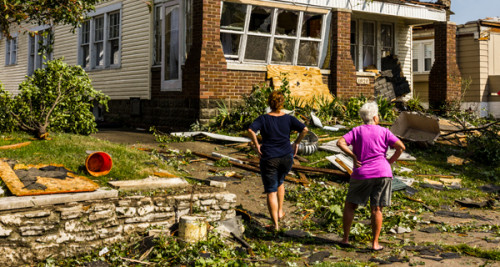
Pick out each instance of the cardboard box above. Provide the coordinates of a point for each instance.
(417, 127)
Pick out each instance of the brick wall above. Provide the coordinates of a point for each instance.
(445, 78)
(343, 73)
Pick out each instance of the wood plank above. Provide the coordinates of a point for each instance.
(72, 183)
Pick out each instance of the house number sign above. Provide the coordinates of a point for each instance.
(363, 81)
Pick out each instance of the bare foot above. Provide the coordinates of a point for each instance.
(377, 248)
(281, 215)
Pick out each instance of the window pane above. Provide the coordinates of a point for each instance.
(13, 50)
(233, 16)
(283, 50)
(311, 26)
(171, 60)
(257, 48)
(86, 32)
(353, 32)
(260, 20)
(368, 33)
(287, 23)
(99, 29)
(308, 53)
(428, 64)
(386, 35)
(428, 50)
(114, 49)
(85, 56)
(114, 25)
(415, 65)
(189, 25)
(7, 52)
(99, 53)
(353, 54)
(157, 36)
(230, 43)
(368, 56)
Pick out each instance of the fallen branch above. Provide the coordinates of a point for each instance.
(471, 129)
(137, 261)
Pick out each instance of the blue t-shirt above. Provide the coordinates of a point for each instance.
(275, 131)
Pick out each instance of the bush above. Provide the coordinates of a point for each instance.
(57, 98)
(7, 123)
(485, 148)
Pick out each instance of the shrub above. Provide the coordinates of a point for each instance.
(58, 98)
(7, 123)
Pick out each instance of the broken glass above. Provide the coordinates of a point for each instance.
(308, 53)
(386, 39)
(287, 23)
(283, 50)
(260, 20)
(311, 26)
(257, 47)
(233, 16)
(230, 44)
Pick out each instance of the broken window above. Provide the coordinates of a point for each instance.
(260, 20)
(287, 23)
(386, 39)
(266, 35)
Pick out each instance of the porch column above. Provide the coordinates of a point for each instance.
(445, 80)
(342, 70)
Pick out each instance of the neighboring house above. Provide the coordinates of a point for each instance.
(478, 58)
(174, 65)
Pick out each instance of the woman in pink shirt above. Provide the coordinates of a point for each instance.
(372, 175)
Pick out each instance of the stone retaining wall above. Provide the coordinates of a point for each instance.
(30, 235)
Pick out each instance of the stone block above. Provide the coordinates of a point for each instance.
(37, 214)
(9, 203)
(59, 237)
(71, 212)
(77, 226)
(141, 211)
(208, 202)
(100, 215)
(102, 206)
(126, 212)
(150, 217)
(35, 230)
(4, 232)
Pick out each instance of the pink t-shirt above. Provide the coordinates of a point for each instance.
(370, 144)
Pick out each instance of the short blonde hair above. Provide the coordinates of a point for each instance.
(368, 111)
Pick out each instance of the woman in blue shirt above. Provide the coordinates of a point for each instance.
(276, 153)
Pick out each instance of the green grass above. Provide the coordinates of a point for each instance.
(70, 150)
(493, 254)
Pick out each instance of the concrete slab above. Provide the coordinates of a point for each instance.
(151, 182)
(9, 203)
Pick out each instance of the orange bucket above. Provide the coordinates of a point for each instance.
(98, 163)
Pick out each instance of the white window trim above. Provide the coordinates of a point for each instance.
(8, 52)
(240, 58)
(104, 11)
(421, 55)
(32, 65)
(172, 85)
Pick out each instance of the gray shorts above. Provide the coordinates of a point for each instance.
(378, 190)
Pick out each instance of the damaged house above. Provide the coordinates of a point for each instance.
(478, 58)
(174, 63)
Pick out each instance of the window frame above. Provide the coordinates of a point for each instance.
(34, 47)
(105, 13)
(185, 27)
(378, 46)
(272, 35)
(11, 47)
(419, 46)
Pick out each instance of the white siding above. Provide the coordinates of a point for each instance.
(404, 50)
(11, 76)
(132, 79)
(494, 54)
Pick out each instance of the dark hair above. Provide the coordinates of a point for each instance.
(276, 100)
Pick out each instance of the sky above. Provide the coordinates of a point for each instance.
(467, 10)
